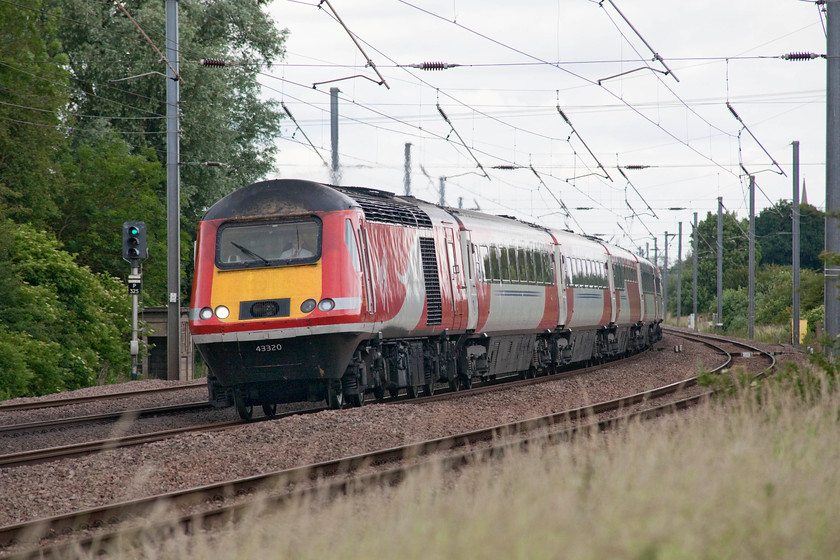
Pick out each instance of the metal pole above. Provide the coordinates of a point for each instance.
(336, 179)
(832, 171)
(655, 252)
(751, 296)
(795, 211)
(694, 307)
(665, 279)
(679, 275)
(442, 199)
(407, 178)
(134, 345)
(173, 196)
(719, 323)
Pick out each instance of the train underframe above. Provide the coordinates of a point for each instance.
(386, 366)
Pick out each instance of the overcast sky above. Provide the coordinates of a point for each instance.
(518, 63)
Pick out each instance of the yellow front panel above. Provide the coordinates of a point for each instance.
(298, 283)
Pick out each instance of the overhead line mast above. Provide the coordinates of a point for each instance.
(832, 172)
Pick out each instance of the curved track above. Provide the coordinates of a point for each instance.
(480, 445)
(22, 458)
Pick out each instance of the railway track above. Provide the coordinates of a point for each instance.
(34, 456)
(22, 458)
(51, 403)
(17, 430)
(231, 498)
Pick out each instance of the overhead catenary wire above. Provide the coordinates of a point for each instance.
(358, 46)
(148, 40)
(740, 120)
(656, 55)
(455, 120)
(291, 116)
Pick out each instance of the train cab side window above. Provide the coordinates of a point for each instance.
(352, 246)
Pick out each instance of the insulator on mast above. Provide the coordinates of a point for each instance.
(796, 56)
(218, 62)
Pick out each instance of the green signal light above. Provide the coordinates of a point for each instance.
(133, 230)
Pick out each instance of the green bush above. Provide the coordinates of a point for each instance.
(60, 324)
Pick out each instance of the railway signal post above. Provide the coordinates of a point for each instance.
(134, 250)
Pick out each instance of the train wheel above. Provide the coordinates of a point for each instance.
(412, 391)
(465, 382)
(270, 410)
(379, 393)
(335, 396)
(394, 392)
(429, 389)
(358, 399)
(453, 384)
(244, 409)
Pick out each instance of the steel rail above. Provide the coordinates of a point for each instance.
(41, 455)
(62, 423)
(78, 400)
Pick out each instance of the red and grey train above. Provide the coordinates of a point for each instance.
(308, 291)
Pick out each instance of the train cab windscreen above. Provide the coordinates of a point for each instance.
(268, 244)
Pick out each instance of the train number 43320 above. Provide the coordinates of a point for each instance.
(268, 348)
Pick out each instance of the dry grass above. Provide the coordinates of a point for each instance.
(728, 480)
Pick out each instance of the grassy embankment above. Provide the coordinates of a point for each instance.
(733, 479)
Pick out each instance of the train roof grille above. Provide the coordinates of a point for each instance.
(380, 206)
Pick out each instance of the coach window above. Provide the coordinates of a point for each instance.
(532, 267)
(521, 259)
(482, 267)
(570, 271)
(548, 268)
(504, 267)
(495, 275)
(508, 262)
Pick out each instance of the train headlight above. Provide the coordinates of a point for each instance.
(326, 304)
(308, 306)
(205, 313)
(222, 312)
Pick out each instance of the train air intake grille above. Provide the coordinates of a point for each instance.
(434, 312)
(382, 207)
